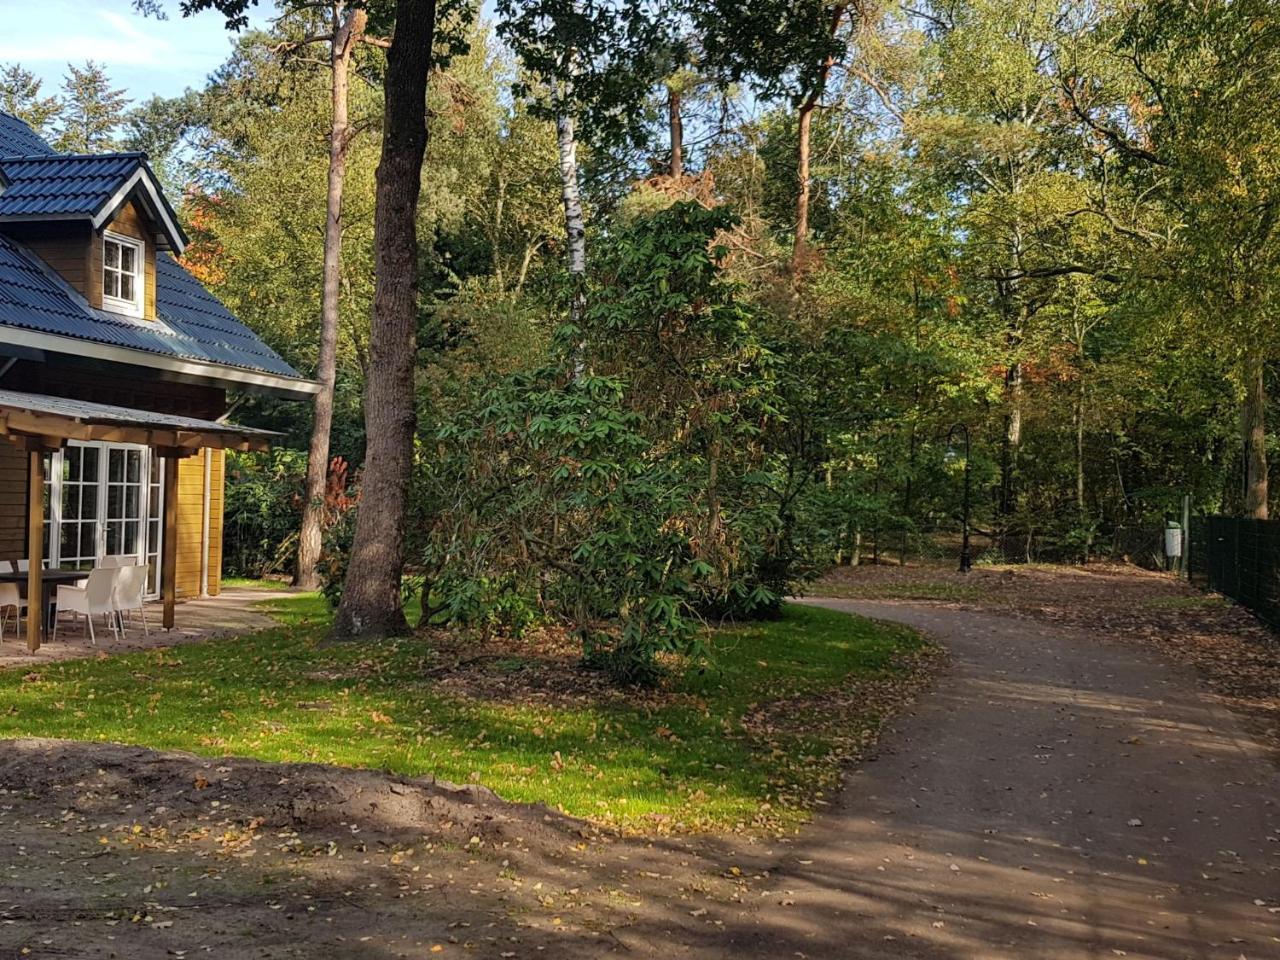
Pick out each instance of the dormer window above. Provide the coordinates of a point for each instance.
(123, 279)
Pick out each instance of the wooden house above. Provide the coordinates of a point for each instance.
(115, 370)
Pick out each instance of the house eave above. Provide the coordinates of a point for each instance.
(238, 378)
(158, 207)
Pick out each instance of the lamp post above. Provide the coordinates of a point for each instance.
(966, 561)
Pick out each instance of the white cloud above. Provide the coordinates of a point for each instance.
(141, 54)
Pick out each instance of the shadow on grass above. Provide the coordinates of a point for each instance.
(683, 760)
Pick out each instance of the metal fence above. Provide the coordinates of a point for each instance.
(1240, 559)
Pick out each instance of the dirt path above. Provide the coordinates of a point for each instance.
(1055, 797)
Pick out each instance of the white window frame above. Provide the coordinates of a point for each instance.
(146, 508)
(134, 307)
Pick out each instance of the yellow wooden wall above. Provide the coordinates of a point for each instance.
(217, 500)
(191, 522)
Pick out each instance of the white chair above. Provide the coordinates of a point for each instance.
(111, 562)
(11, 597)
(131, 589)
(23, 566)
(95, 597)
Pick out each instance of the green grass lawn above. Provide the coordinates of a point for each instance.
(680, 760)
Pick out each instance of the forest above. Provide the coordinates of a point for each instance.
(670, 306)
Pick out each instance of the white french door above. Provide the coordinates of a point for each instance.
(104, 499)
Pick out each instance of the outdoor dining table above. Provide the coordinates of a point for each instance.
(49, 580)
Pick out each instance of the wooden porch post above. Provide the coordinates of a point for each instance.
(169, 547)
(35, 545)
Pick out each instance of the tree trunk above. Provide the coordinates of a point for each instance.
(1012, 439)
(1082, 512)
(676, 124)
(347, 29)
(804, 127)
(575, 228)
(371, 605)
(1253, 432)
(800, 248)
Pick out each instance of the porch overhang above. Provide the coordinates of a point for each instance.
(38, 423)
(51, 421)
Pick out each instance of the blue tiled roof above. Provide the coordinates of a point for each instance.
(19, 140)
(191, 323)
(62, 185)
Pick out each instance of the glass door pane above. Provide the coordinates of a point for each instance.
(124, 502)
(80, 507)
(155, 513)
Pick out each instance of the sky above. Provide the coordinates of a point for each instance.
(144, 56)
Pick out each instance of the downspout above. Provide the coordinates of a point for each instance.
(204, 523)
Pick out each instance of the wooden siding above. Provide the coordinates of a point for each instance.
(130, 222)
(217, 502)
(66, 247)
(74, 250)
(133, 387)
(190, 524)
(13, 502)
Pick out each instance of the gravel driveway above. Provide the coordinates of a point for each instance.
(1056, 796)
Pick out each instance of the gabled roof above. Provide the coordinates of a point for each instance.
(19, 140)
(38, 309)
(91, 187)
(193, 334)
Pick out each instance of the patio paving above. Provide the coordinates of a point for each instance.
(232, 612)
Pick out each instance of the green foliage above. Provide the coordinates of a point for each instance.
(262, 511)
(91, 110)
(20, 97)
(629, 497)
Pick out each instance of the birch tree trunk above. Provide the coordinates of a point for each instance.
(348, 26)
(371, 605)
(575, 228)
(1253, 432)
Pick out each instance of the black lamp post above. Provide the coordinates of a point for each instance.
(966, 560)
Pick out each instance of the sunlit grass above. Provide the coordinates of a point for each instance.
(286, 695)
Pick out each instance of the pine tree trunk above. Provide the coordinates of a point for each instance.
(800, 247)
(804, 130)
(676, 126)
(1254, 434)
(371, 605)
(348, 26)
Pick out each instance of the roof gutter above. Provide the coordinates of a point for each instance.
(253, 381)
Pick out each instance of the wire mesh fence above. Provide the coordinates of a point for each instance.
(1240, 559)
(1139, 543)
